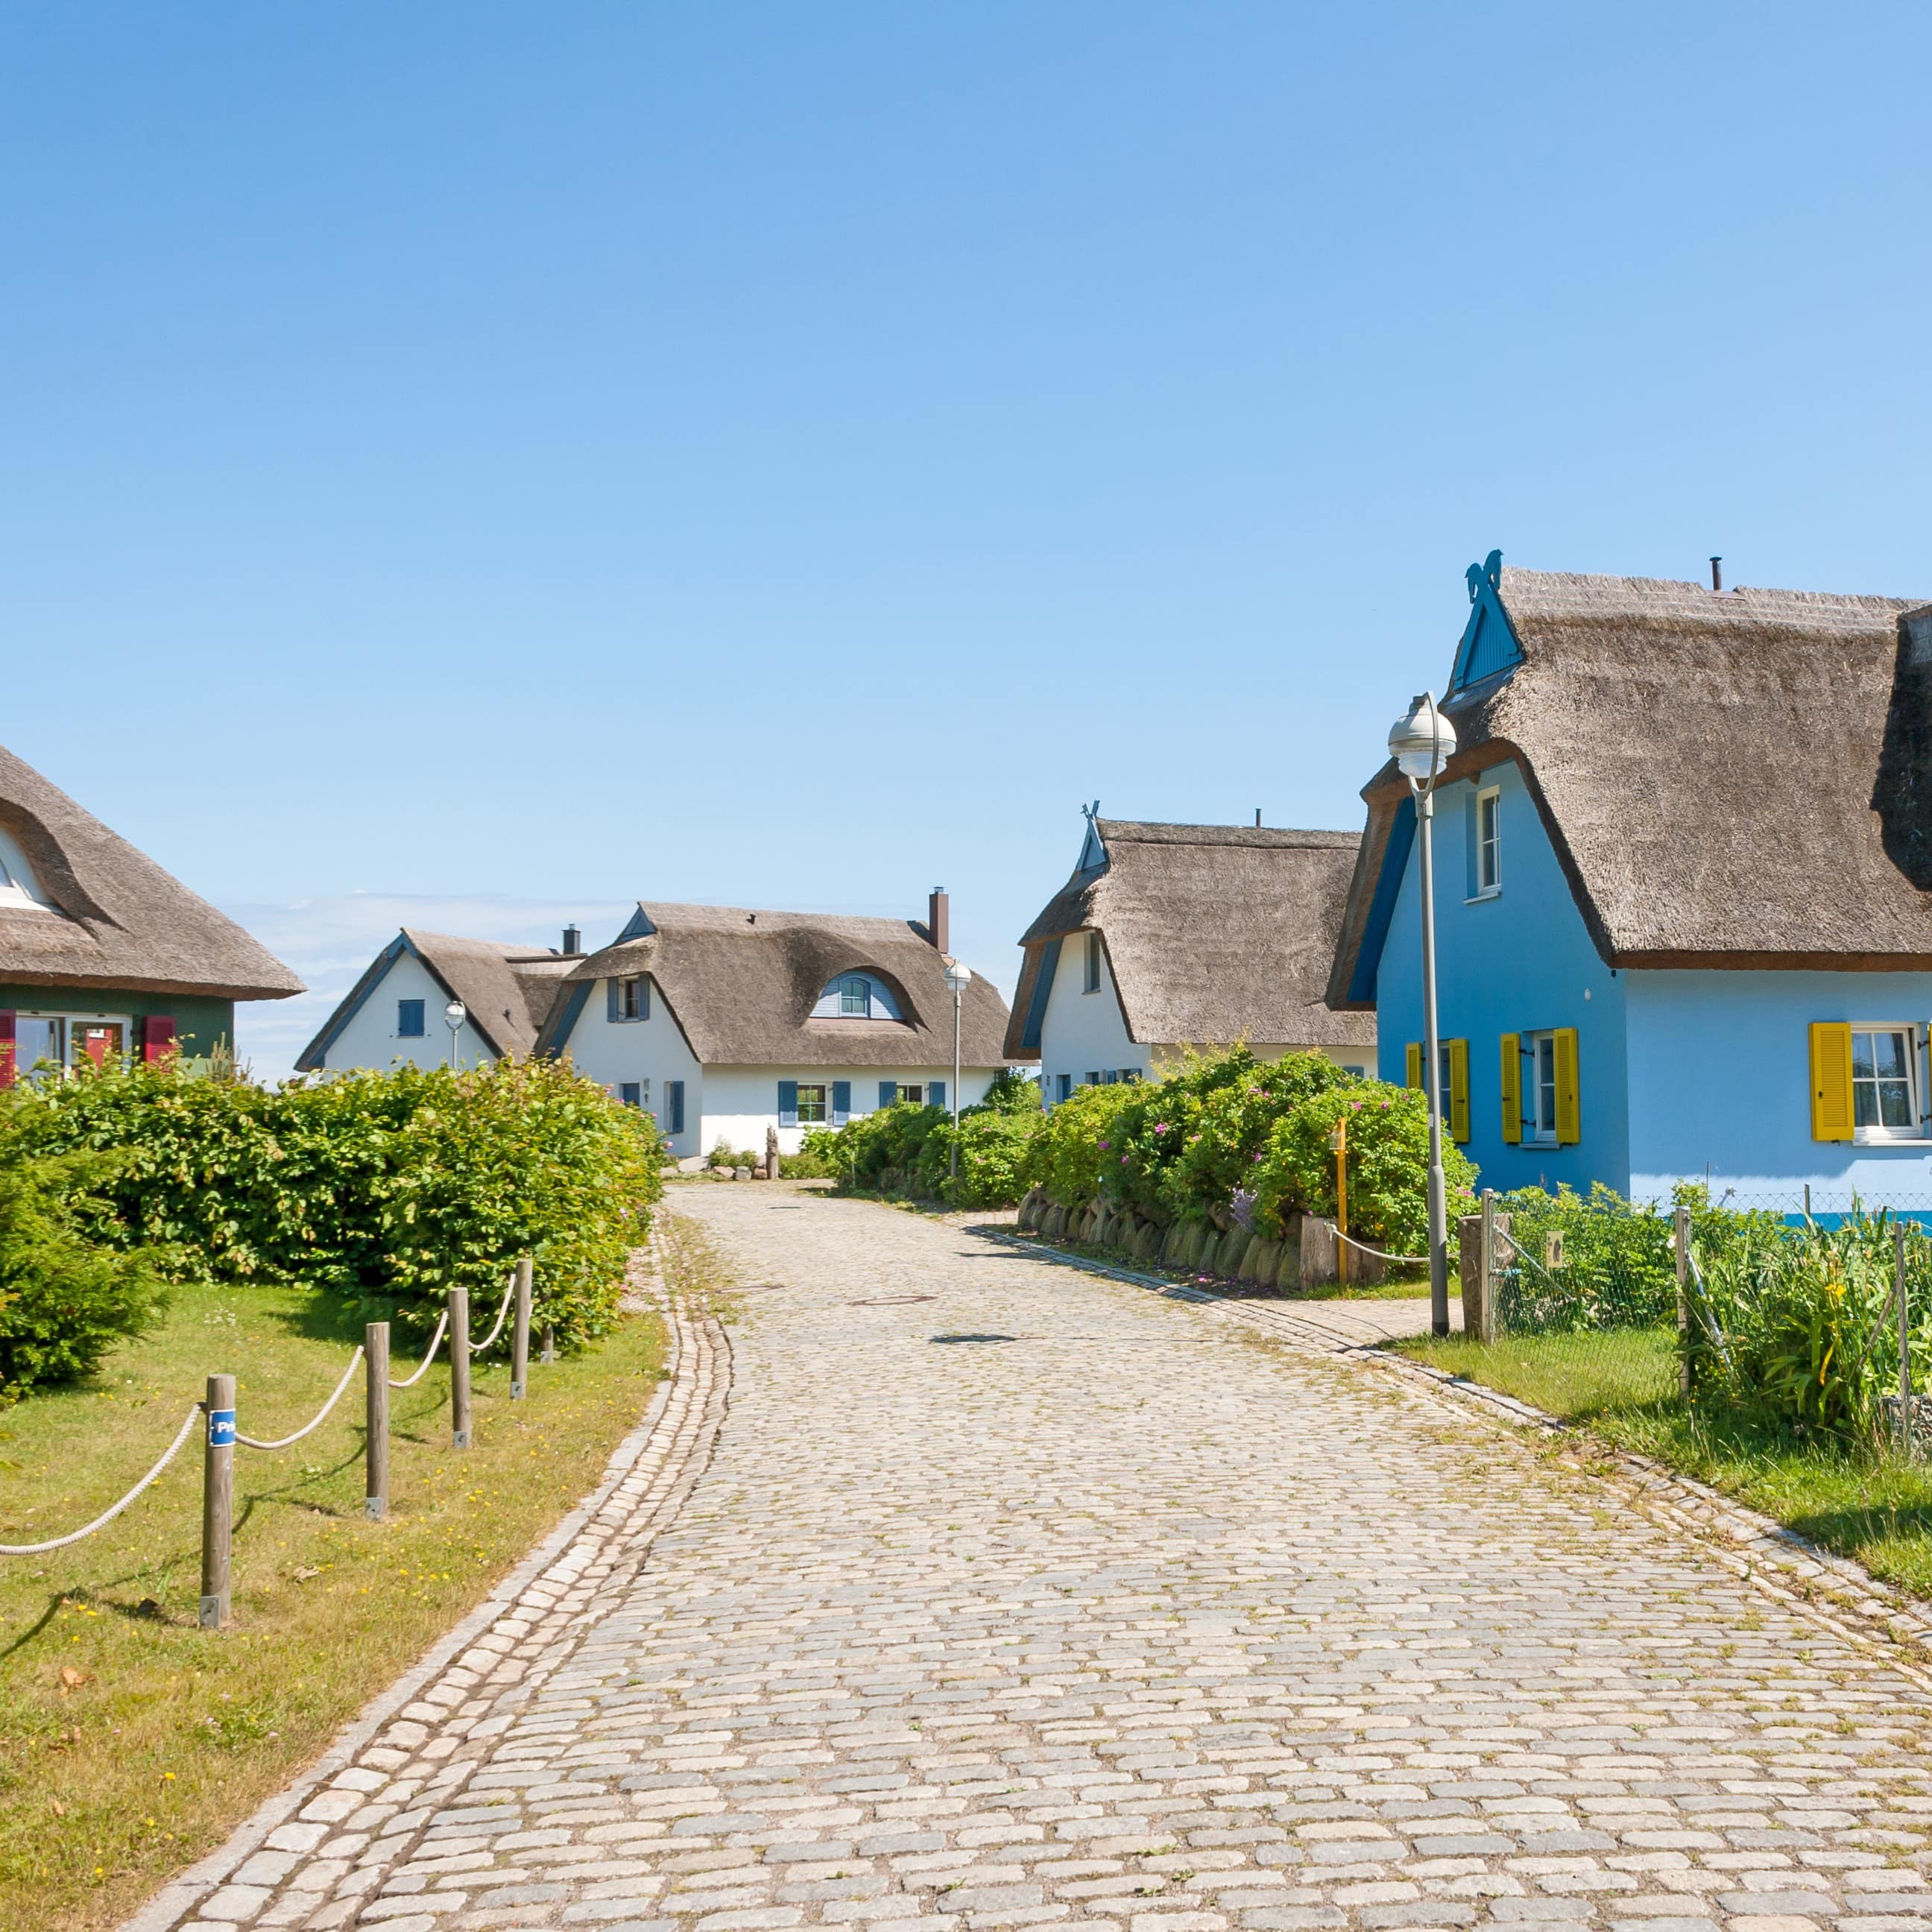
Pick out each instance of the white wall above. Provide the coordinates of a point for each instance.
(740, 1102)
(611, 1051)
(370, 1039)
(1082, 1033)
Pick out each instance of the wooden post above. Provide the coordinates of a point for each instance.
(375, 1420)
(549, 1344)
(1485, 1300)
(519, 1335)
(217, 1501)
(772, 1162)
(1681, 1241)
(459, 1368)
(1342, 1199)
(1906, 1445)
(1469, 1261)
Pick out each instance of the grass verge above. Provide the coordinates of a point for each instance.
(132, 1742)
(1621, 1388)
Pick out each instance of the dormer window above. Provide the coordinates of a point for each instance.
(857, 996)
(18, 887)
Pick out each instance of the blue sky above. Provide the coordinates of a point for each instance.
(480, 464)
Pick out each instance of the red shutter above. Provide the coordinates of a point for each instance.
(158, 1037)
(7, 1037)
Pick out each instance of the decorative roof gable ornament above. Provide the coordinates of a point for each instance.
(1488, 647)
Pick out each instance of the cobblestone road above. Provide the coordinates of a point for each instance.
(1012, 1596)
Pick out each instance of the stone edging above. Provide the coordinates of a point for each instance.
(545, 1598)
(1692, 1507)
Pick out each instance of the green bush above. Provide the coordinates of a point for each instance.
(1387, 1165)
(995, 1149)
(1075, 1147)
(1152, 1132)
(65, 1300)
(1011, 1092)
(1226, 1146)
(389, 1186)
(1796, 1327)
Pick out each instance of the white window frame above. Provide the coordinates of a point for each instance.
(1093, 969)
(1537, 1048)
(1488, 878)
(823, 1088)
(1918, 1131)
(632, 1000)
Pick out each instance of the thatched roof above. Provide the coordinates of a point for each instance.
(1734, 778)
(1213, 933)
(509, 990)
(114, 918)
(742, 984)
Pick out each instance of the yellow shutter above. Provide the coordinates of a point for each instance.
(1459, 1089)
(1831, 1081)
(1412, 1060)
(1513, 1088)
(1569, 1114)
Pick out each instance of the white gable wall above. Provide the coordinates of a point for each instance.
(654, 1049)
(370, 1038)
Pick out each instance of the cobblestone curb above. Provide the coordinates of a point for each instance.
(311, 1856)
(1842, 1592)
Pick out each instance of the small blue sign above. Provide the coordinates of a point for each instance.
(221, 1429)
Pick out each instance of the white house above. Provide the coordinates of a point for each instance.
(723, 1022)
(1168, 936)
(394, 1014)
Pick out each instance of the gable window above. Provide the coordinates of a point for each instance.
(1489, 842)
(409, 1019)
(632, 1000)
(1885, 1084)
(857, 996)
(1093, 984)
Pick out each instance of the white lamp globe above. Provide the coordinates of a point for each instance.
(1422, 742)
(959, 976)
(454, 1015)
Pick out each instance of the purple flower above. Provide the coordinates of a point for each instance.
(1103, 1144)
(1160, 1126)
(1123, 1160)
(1258, 1160)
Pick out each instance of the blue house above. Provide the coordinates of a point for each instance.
(1683, 892)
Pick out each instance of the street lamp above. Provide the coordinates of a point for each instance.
(454, 1015)
(958, 977)
(1422, 742)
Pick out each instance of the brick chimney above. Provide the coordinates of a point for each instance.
(936, 923)
(573, 941)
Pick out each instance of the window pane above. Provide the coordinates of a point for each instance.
(811, 1104)
(1894, 1103)
(1862, 1057)
(1888, 1052)
(1865, 1103)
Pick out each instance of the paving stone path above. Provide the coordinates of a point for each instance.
(1007, 1595)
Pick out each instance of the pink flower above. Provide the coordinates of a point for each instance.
(1103, 1144)
(1123, 1160)
(1160, 1126)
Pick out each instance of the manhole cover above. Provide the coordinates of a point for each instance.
(889, 1301)
(976, 1338)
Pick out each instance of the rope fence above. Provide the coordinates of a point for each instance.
(223, 1437)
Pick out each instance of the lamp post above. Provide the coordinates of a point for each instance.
(1422, 742)
(958, 977)
(454, 1015)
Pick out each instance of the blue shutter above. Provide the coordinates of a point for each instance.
(610, 1000)
(841, 1102)
(889, 1092)
(674, 1093)
(935, 1094)
(788, 1103)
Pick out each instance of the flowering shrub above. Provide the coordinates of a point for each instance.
(1226, 1144)
(1078, 1142)
(1387, 1160)
(1156, 1128)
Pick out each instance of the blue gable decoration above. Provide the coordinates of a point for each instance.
(1043, 988)
(1382, 907)
(1489, 647)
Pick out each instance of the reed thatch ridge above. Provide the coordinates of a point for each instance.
(1740, 779)
(742, 983)
(113, 919)
(508, 991)
(1212, 933)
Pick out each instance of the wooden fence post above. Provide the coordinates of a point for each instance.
(520, 1335)
(549, 1344)
(1905, 1443)
(459, 1368)
(217, 1501)
(1681, 1234)
(375, 1420)
(1485, 1303)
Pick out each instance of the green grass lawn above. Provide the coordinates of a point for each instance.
(173, 1734)
(1622, 1387)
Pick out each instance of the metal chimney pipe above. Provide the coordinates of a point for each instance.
(573, 939)
(937, 924)
(1717, 573)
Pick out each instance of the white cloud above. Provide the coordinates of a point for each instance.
(328, 941)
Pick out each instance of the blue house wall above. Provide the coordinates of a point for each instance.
(1519, 962)
(1692, 1074)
